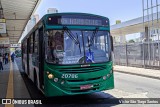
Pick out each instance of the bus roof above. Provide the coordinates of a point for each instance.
(72, 13)
(44, 18)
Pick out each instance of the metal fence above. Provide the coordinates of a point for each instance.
(145, 55)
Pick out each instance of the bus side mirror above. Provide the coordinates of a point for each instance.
(111, 38)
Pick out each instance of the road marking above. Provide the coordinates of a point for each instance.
(10, 86)
(124, 94)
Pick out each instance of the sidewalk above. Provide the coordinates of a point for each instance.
(150, 73)
(12, 84)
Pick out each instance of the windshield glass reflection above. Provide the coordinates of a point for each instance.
(77, 47)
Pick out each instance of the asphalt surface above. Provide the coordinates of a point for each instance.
(138, 85)
(126, 86)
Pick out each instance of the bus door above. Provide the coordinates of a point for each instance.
(41, 58)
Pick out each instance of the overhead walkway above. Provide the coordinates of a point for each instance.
(143, 51)
(135, 25)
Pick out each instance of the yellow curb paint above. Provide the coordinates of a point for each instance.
(10, 87)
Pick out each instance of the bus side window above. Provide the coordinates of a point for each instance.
(36, 43)
(33, 42)
(29, 45)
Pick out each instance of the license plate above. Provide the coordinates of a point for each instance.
(84, 87)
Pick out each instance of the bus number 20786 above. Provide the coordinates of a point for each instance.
(69, 75)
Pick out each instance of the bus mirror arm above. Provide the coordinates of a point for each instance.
(111, 39)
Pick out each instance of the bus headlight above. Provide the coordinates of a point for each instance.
(50, 76)
(104, 77)
(55, 79)
(108, 75)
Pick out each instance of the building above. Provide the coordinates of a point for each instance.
(52, 10)
(32, 22)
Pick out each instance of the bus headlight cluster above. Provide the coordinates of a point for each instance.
(108, 75)
(51, 76)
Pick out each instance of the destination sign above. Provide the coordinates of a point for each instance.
(74, 21)
(77, 20)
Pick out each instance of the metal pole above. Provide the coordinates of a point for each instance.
(144, 34)
(152, 44)
(148, 33)
(158, 32)
(126, 55)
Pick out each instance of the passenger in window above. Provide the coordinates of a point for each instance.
(59, 40)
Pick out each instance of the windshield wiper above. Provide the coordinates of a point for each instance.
(71, 35)
(89, 44)
(79, 44)
(94, 34)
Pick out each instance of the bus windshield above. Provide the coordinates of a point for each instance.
(77, 46)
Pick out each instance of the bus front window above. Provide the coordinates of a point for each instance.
(54, 46)
(77, 47)
(96, 46)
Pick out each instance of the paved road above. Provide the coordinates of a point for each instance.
(140, 86)
(126, 86)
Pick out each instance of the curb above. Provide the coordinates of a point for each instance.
(142, 75)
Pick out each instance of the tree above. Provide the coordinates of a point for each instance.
(131, 41)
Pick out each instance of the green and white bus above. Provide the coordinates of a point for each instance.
(69, 54)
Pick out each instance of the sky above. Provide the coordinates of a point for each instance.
(113, 9)
(123, 10)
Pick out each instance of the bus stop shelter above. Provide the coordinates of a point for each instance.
(14, 16)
